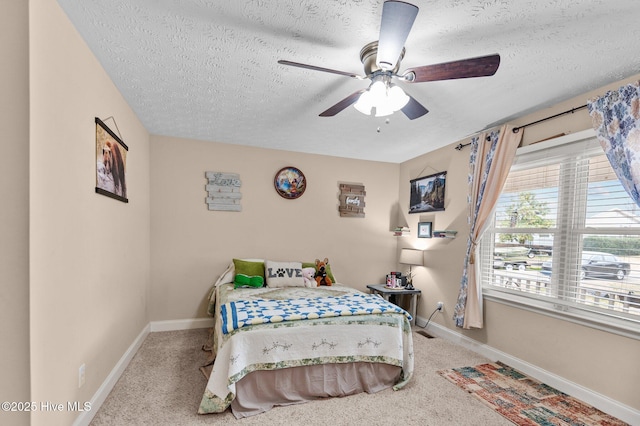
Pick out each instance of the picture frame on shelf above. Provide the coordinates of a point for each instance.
(428, 193)
(424, 230)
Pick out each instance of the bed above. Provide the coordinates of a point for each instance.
(288, 342)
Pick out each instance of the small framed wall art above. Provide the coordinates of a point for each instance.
(223, 190)
(351, 200)
(111, 163)
(290, 183)
(424, 230)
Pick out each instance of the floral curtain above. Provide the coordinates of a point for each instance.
(490, 161)
(616, 120)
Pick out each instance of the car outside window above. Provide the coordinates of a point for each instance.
(594, 258)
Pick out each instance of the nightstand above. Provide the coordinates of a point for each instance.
(386, 292)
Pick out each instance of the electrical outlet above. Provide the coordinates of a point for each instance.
(81, 376)
(440, 305)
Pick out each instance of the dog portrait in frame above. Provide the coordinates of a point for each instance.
(111, 163)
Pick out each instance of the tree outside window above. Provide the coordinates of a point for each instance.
(526, 212)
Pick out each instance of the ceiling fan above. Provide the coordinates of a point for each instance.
(381, 60)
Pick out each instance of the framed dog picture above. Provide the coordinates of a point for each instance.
(427, 193)
(111, 163)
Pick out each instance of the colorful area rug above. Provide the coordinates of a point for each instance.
(523, 400)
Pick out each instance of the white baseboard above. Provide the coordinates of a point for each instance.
(103, 391)
(154, 326)
(184, 324)
(599, 401)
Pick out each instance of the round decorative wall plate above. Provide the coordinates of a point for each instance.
(290, 183)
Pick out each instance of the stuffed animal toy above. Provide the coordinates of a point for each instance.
(308, 275)
(321, 272)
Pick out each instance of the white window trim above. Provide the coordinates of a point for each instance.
(560, 140)
(620, 326)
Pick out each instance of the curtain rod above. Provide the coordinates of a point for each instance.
(571, 111)
(517, 129)
(462, 145)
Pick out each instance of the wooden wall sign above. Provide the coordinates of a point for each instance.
(351, 200)
(224, 191)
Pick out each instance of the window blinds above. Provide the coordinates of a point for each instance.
(565, 233)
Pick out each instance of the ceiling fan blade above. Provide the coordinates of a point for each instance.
(315, 68)
(414, 109)
(397, 20)
(343, 104)
(482, 66)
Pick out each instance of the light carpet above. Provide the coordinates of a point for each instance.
(163, 385)
(523, 400)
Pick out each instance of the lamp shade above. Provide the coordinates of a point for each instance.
(411, 257)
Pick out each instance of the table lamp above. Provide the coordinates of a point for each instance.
(411, 257)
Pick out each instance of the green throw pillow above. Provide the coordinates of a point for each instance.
(246, 281)
(248, 273)
(327, 269)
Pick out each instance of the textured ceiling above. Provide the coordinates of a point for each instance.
(207, 69)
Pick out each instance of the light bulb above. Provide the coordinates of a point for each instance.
(378, 92)
(364, 103)
(397, 99)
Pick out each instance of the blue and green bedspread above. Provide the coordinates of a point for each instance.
(238, 314)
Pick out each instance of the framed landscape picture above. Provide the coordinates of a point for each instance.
(427, 193)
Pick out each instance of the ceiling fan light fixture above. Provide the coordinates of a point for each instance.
(385, 97)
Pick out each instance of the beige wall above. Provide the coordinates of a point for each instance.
(443, 257)
(600, 361)
(93, 259)
(89, 254)
(14, 193)
(191, 246)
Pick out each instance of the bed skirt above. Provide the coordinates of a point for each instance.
(260, 391)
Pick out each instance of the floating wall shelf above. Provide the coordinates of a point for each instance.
(445, 234)
(400, 231)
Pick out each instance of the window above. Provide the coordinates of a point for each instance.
(565, 237)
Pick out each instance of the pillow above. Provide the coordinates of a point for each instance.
(327, 269)
(248, 273)
(284, 274)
